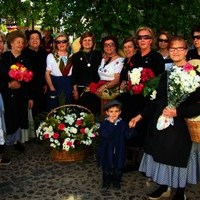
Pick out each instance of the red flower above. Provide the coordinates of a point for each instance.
(82, 130)
(138, 89)
(61, 127)
(79, 122)
(69, 143)
(56, 135)
(46, 136)
(94, 86)
(28, 76)
(188, 67)
(146, 74)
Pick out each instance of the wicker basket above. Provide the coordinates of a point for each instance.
(65, 156)
(71, 106)
(194, 129)
(110, 94)
(69, 156)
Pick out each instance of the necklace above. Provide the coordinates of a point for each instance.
(88, 62)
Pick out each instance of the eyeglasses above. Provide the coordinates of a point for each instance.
(109, 45)
(145, 37)
(163, 40)
(61, 41)
(196, 37)
(173, 49)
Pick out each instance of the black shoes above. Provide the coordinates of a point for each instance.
(115, 185)
(162, 191)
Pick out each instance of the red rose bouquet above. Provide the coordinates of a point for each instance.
(142, 81)
(94, 86)
(20, 73)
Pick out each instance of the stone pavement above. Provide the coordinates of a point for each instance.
(34, 176)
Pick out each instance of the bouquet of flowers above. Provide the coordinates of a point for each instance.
(181, 82)
(20, 73)
(110, 93)
(142, 81)
(68, 128)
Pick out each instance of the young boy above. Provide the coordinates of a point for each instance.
(113, 134)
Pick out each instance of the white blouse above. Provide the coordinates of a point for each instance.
(53, 65)
(107, 72)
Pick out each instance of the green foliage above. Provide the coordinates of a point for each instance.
(117, 17)
(151, 85)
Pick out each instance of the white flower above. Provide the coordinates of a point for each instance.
(73, 130)
(135, 75)
(153, 95)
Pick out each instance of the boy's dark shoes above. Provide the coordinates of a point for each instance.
(5, 162)
(19, 147)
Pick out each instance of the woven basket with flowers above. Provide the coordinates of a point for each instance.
(68, 130)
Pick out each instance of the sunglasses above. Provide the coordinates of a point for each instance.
(61, 41)
(163, 40)
(145, 37)
(196, 37)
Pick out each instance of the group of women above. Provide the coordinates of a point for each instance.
(59, 77)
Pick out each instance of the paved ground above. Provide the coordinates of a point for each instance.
(34, 176)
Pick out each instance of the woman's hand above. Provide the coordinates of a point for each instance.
(30, 104)
(75, 94)
(134, 120)
(123, 85)
(101, 89)
(169, 112)
(14, 84)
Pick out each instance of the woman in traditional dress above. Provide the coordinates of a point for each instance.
(85, 71)
(110, 67)
(37, 56)
(58, 73)
(167, 157)
(17, 96)
(145, 57)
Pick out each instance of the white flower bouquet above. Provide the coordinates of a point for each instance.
(69, 127)
(181, 82)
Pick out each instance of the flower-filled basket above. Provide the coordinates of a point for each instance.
(194, 128)
(69, 131)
